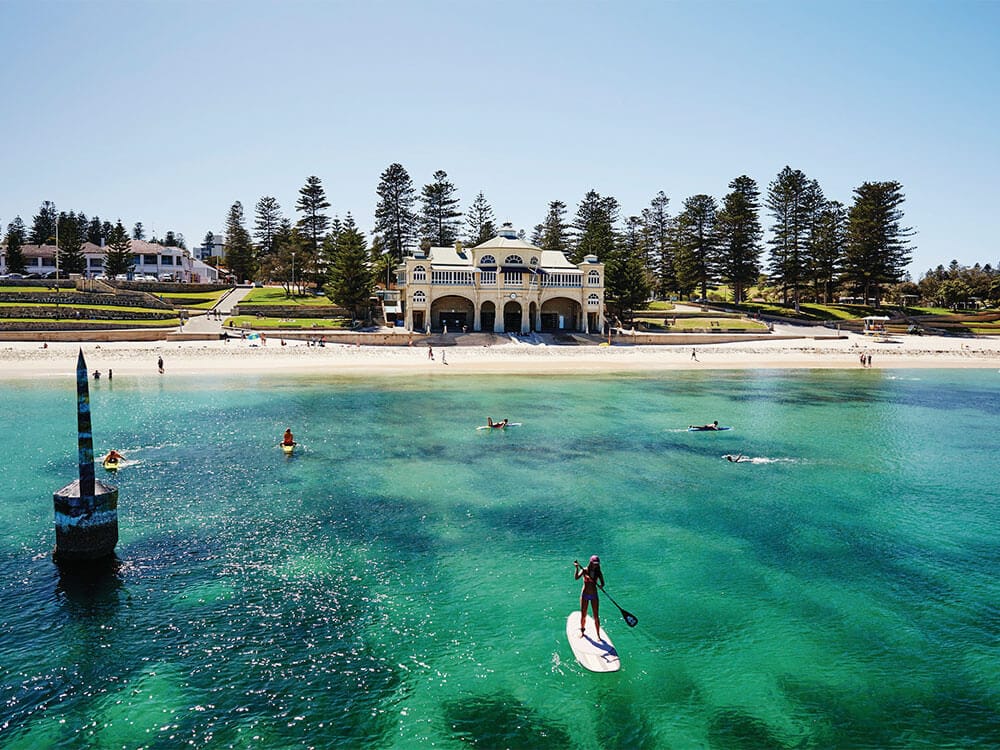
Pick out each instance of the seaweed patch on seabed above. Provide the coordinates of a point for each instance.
(500, 720)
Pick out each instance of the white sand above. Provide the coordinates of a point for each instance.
(30, 360)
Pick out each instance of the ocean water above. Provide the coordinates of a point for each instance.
(403, 581)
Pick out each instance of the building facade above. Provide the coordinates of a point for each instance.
(150, 261)
(503, 285)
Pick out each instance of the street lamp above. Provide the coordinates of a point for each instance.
(293, 274)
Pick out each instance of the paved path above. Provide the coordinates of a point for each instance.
(208, 323)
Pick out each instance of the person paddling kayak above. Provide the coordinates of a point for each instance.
(592, 577)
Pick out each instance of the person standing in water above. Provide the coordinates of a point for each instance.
(592, 578)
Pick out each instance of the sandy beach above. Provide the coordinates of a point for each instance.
(20, 360)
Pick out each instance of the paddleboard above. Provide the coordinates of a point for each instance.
(708, 429)
(509, 424)
(594, 653)
(111, 465)
(288, 448)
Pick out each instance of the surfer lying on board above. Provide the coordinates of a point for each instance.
(592, 576)
(498, 425)
(713, 426)
(113, 456)
(735, 459)
(287, 439)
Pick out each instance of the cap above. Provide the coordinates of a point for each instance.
(595, 559)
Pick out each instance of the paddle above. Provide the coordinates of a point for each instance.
(630, 619)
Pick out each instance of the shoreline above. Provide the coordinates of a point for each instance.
(28, 360)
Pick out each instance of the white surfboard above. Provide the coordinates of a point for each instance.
(596, 653)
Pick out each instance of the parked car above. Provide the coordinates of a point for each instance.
(52, 275)
(32, 276)
(11, 276)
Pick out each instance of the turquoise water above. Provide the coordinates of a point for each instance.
(405, 579)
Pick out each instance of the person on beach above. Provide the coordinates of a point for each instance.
(592, 578)
(159, 364)
(496, 425)
(694, 355)
(288, 438)
(430, 352)
(443, 360)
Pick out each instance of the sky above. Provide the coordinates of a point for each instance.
(167, 112)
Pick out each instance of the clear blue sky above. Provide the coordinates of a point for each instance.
(168, 112)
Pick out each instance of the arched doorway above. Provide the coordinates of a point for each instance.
(512, 317)
(561, 314)
(453, 312)
(487, 316)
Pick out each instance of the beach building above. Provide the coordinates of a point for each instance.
(502, 285)
(151, 261)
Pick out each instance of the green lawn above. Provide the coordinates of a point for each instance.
(659, 305)
(252, 321)
(275, 295)
(78, 306)
(194, 300)
(167, 323)
(39, 289)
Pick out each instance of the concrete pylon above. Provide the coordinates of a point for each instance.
(86, 510)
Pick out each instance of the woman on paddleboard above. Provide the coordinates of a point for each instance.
(592, 577)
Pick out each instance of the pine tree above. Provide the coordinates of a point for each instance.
(740, 235)
(627, 284)
(699, 240)
(787, 200)
(395, 220)
(16, 235)
(71, 239)
(878, 247)
(659, 256)
(439, 220)
(595, 227)
(238, 249)
(311, 204)
(266, 223)
(554, 230)
(827, 252)
(118, 258)
(43, 225)
(138, 232)
(351, 282)
(480, 221)
(95, 232)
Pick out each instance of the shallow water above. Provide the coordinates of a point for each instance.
(403, 580)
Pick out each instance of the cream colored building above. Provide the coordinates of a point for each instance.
(503, 285)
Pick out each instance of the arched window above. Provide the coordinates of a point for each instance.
(513, 260)
(419, 298)
(487, 260)
(593, 300)
(419, 273)
(594, 278)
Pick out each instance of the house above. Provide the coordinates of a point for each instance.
(149, 260)
(502, 285)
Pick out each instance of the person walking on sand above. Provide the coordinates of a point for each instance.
(430, 352)
(592, 578)
(159, 364)
(443, 360)
(694, 355)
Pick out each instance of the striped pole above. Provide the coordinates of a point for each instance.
(85, 435)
